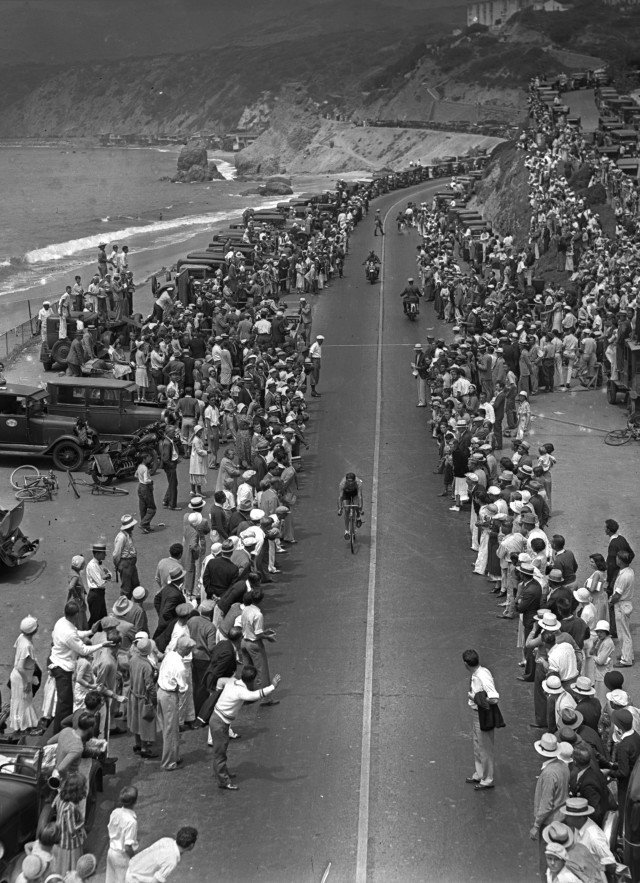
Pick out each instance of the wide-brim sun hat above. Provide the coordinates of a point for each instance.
(547, 745)
(127, 521)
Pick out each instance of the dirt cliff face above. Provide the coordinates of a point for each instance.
(503, 192)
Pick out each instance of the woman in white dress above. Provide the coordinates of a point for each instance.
(485, 516)
(22, 712)
(197, 462)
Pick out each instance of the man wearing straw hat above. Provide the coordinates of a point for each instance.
(552, 789)
(576, 812)
(125, 556)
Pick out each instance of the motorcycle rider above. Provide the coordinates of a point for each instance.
(372, 258)
(410, 295)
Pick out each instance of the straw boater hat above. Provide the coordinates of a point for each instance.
(575, 807)
(197, 503)
(139, 593)
(553, 685)
(549, 622)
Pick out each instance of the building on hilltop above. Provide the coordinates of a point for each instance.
(493, 13)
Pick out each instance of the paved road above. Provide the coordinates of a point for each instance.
(299, 764)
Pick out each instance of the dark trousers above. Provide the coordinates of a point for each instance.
(147, 504)
(201, 691)
(540, 697)
(97, 605)
(548, 369)
(529, 667)
(171, 494)
(64, 692)
(129, 579)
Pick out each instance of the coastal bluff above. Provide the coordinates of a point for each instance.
(194, 167)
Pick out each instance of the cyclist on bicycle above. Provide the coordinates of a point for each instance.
(350, 494)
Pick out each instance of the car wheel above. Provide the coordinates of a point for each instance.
(60, 352)
(67, 455)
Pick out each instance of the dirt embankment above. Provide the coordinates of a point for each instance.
(300, 141)
(503, 193)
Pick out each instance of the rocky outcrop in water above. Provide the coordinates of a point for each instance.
(194, 166)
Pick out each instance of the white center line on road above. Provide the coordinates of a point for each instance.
(367, 707)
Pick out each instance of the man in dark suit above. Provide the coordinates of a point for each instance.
(528, 601)
(625, 754)
(588, 705)
(220, 572)
(168, 598)
(588, 781)
(617, 543)
(218, 518)
(499, 403)
(224, 661)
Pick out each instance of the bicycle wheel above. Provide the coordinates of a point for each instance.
(24, 476)
(352, 532)
(33, 494)
(617, 437)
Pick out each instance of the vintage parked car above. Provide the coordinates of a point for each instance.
(15, 547)
(107, 404)
(43, 422)
(54, 349)
(25, 426)
(26, 796)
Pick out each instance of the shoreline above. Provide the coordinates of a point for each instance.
(18, 307)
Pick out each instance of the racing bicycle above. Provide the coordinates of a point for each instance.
(31, 486)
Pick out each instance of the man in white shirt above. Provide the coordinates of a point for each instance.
(97, 577)
(562, 662)
(622, 599)
(45, 313)
(123, 834)
(172, 682)
(235, 693)
(157, 862)
(66, 647)
(483, 740)
(212, 426)
(315, 354)
(576, 812)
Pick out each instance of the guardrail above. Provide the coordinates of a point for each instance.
(13, 339)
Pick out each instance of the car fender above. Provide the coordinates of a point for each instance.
(58, 439)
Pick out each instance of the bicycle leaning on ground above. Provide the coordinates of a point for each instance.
(619, 437)
(31, 486)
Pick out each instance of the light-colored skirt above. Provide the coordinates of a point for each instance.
(22, 714)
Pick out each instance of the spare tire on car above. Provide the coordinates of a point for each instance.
(60, 352)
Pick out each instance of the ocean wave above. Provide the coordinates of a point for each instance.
(59, 250)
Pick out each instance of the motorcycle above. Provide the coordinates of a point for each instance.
(412, 311)
(119, 460)
(372, 272)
